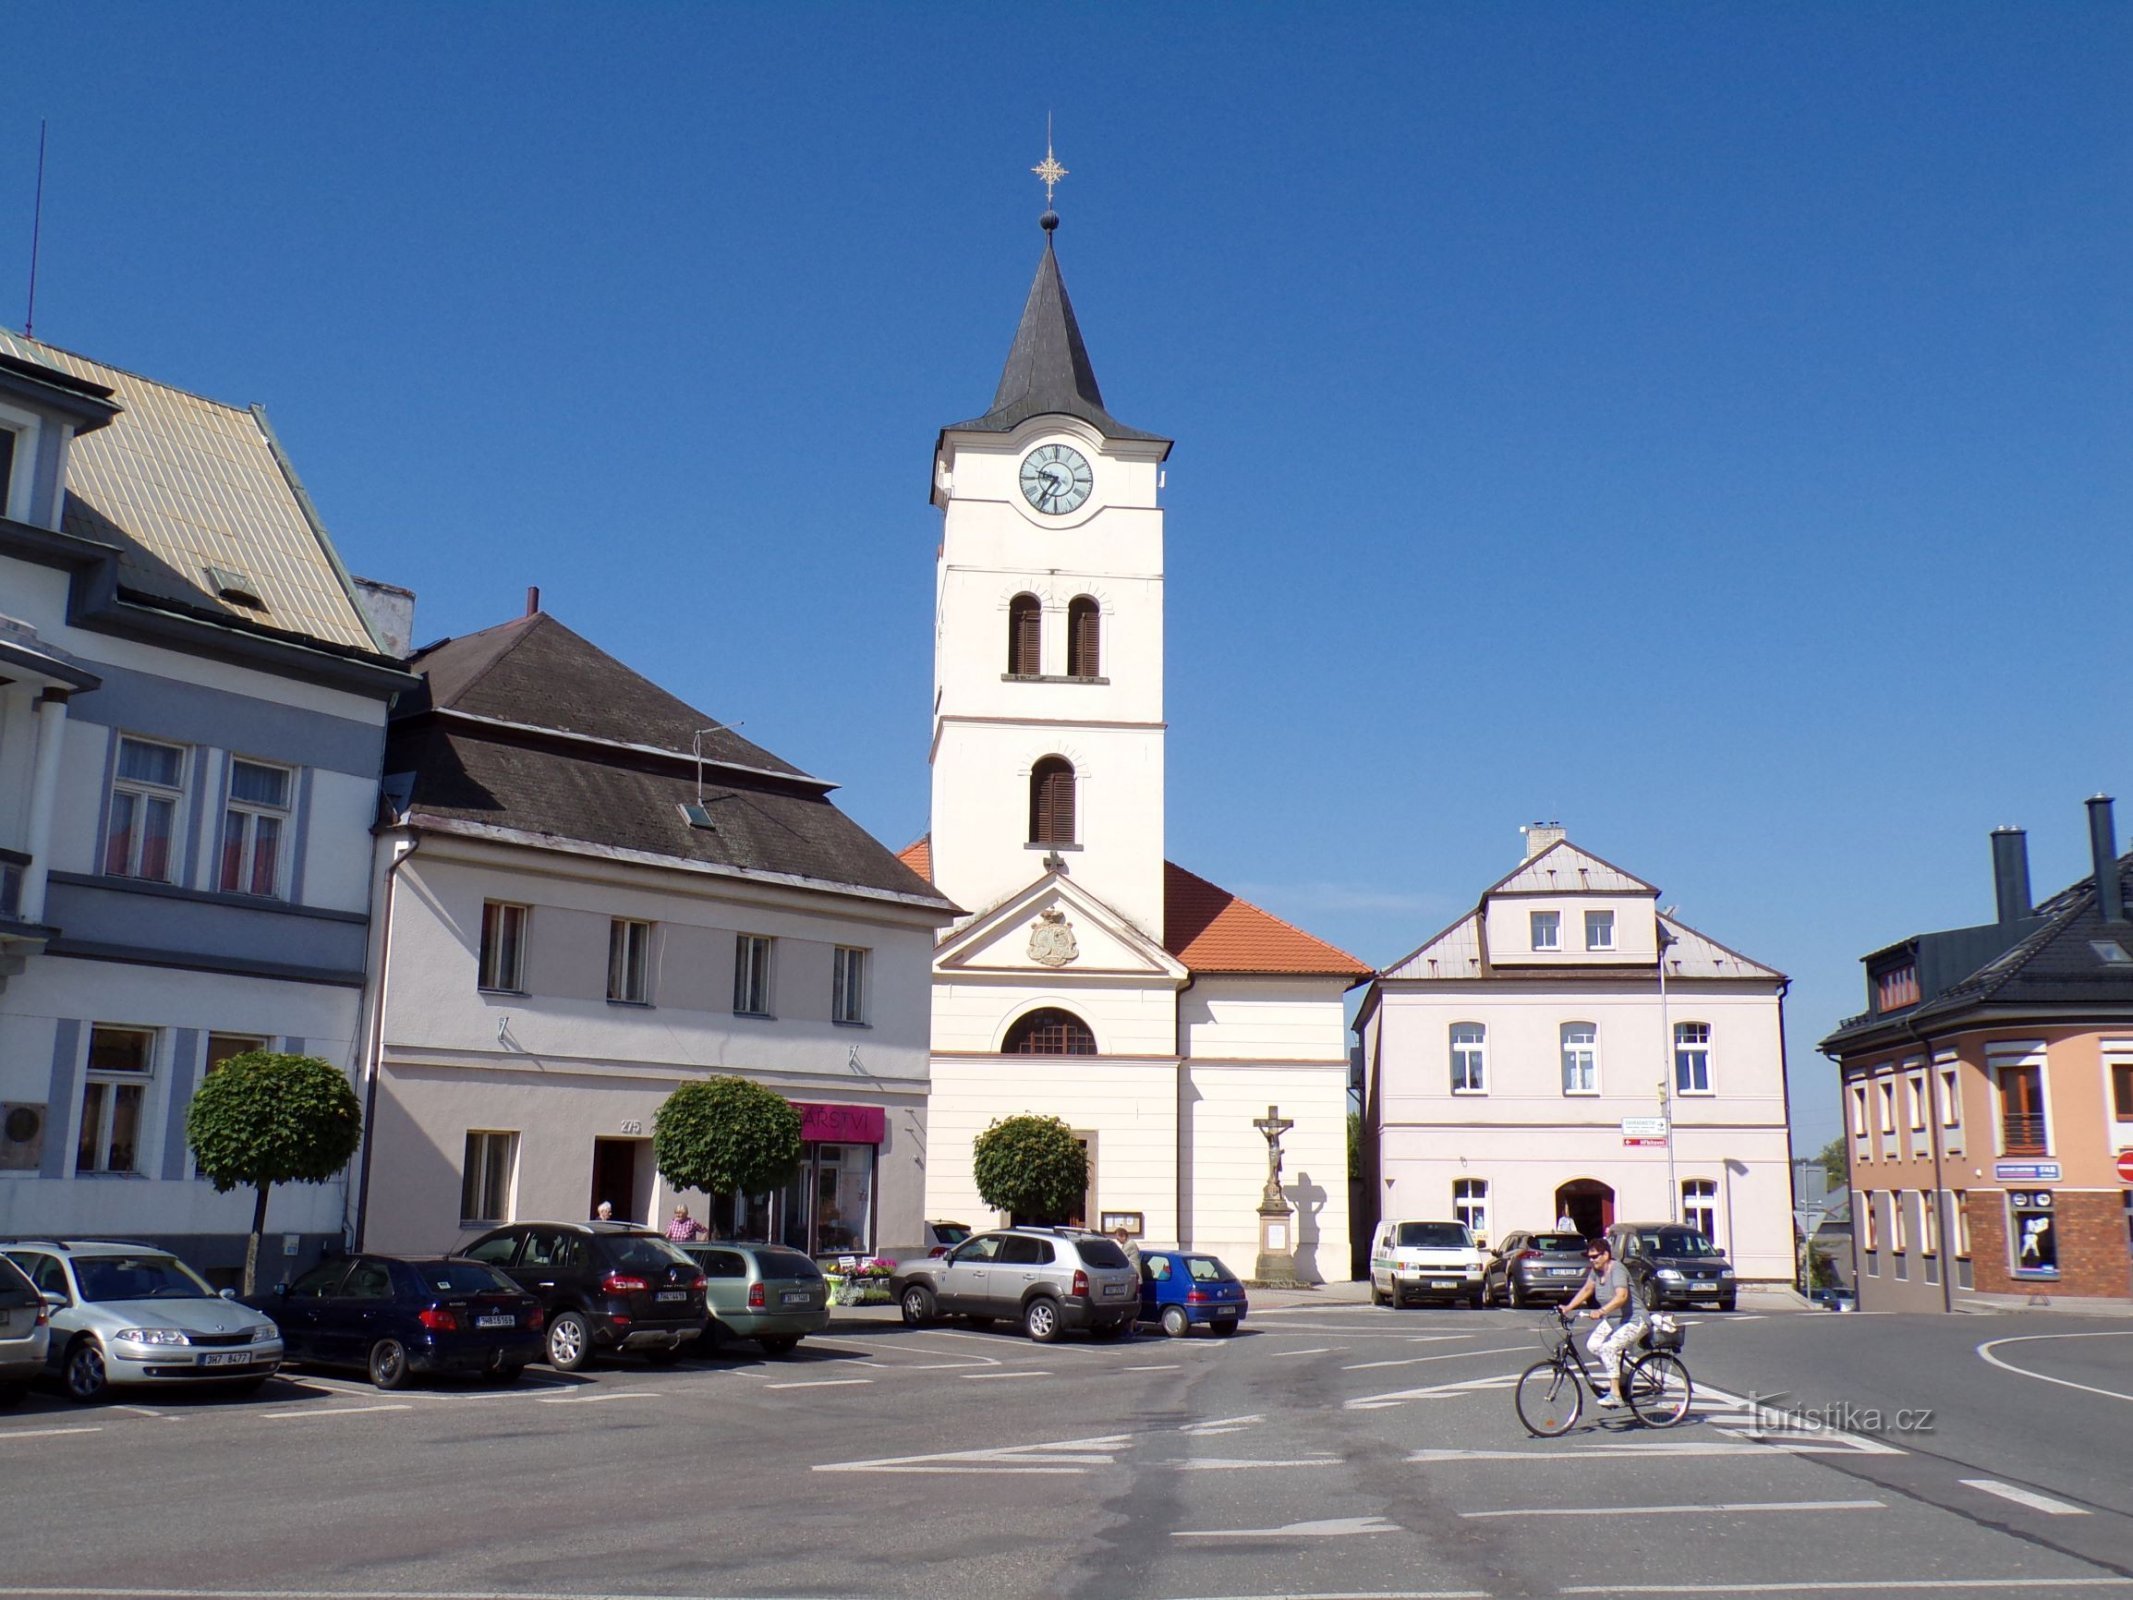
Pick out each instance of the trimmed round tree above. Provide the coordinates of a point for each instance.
(727, 1136)
(263, 1118)
(1031, 1167)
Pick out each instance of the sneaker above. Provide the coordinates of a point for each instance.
(1609, 1398)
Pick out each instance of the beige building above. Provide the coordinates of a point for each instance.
(1567, 1049)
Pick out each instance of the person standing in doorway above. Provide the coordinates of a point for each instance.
(684, 1229)
(604, 1211)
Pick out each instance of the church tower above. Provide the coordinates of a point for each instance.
(1047, 748)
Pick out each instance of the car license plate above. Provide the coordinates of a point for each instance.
(1114, 1291)
(1444, 1283)
(496, 1322)
(796, 1297)
(673, 1294)
(227, 1358)
(1225, 1311)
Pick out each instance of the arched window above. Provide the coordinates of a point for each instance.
(1025, 633)
(1084, 631)
(1049, 1032)
(1051, 801)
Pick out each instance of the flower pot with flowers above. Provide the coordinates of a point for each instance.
(859, 1281)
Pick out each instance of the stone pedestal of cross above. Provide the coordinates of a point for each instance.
(1276, 1266)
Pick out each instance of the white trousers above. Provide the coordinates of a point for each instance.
(1607, 1344)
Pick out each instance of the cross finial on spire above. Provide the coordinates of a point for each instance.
(1049, 169)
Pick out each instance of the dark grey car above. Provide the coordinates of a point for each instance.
(1685, 1266)
(1047, 1279)
(1534, 1268)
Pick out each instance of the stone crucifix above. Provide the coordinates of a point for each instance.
(1273, 1125)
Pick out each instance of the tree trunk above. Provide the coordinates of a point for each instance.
(251, 1244)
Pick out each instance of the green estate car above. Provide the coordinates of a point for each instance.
(763, 1292)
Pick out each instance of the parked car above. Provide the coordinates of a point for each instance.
(1835, 1299)
(1415, 1261)
(393, 1317)
(125, 1314)
(1685, 1266)
(1182, 1290)
(763, 1292)
(601, 1286)
(1528, 1268)
(1048, 1279)
(935, 1239)
(25, 1333)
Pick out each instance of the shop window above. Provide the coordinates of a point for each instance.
(2032, 1233)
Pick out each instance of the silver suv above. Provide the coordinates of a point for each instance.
(1047, 1279)
(133, 1314)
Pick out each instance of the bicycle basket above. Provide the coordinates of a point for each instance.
(1665, 1332)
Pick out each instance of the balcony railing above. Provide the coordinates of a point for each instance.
(2022, 1133)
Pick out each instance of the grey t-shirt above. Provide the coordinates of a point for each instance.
(1617, 1277)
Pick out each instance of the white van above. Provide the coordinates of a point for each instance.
(1416, 1261)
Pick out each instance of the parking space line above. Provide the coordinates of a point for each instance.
(594, 1399)
(1241, 1464)
(1683, 1511)
(1169, 1366)
(817, 1383)
(46, 1433)
(1848, 1585)
(330, 1411)
(1019, 1372)
(1448, 1355)
(2025, 1497)
(1314, 1350)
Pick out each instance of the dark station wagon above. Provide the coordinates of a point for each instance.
(393, 1317)
(601, 1286)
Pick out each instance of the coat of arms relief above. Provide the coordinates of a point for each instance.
(1051, 939)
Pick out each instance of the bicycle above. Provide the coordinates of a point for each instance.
(1550, 1396)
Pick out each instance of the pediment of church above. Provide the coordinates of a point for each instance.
(1053, 926)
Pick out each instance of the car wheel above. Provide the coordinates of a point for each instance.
(1376, 1298)
(86, 1379)
(1488, 1294)
(248, 1386)
(1225, 1330)
(1040, 1319)
(388, 1364)
(663, 1355)
(1474, 1300)
(917, 1306)
(505, 1373)
(569, 1342)
(783, 1344)
(1175, 1322)
(11, 1395)
(712, 1341)
(1728, 1303)
(1517, 1295)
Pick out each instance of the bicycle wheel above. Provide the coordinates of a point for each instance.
(1659, 1390)
(1549, 1399)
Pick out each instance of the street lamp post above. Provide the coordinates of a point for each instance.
(1666, 1077)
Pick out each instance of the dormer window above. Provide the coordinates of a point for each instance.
(1599, 930)
(1547, 929)
(1896, 988)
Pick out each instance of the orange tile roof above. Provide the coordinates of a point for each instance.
(1212, 930)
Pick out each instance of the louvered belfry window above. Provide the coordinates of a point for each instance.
(1049, 1033)
(1084, 657)
(1051, 801)
(1025, 633)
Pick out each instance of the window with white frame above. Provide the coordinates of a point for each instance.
(1915, 1093)
(1887, 1086)
(1951, 1098)
(2121, 1090)
(1859, 1128)
(1470, 1058)
(1961, 1199)
(1470, 1203)
(629, 950)
(1929, 1222)
(1599, 930)
(1581, 1058)
(254, 824)
(848, 985)
(1547, 929)
(751, 975)
(1699, 1206)
(503, 947)
(121, 1063)
(1899, 1203)
(487, 1177)
(147, 788)
(1692, 1058)
(1865, 1204)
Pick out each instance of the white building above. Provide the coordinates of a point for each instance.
(1155, 1013)
(192, 710)
(1525, 1064)
(591, 894)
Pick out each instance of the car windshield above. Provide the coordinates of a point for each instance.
(785, 1266)
(138, 1278)
(1100, 1253)
(1678, 1242)
(1433, 1236)
(1560, 1243)
(463, 1277)
(1206, 1269)
(644, 1252)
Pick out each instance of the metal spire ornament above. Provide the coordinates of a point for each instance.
(1050, 171)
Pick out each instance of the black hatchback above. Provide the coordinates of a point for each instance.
(601, 1285)
(393, 1317)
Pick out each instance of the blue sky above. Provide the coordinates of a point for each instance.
(1702, 424)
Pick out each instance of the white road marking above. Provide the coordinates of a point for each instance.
(1683, 1511)
(2025, 1497)
(1055, 1456)
(1168, 1367)
(595, 1399)
(139, 1411)
(1018, 1372)
(1985, 1352)
(1236, 1464)
(1214, 1425)
(817, 1383)
(45, 1433)
(1325, 1528)
(1353, 1594)
(1848, 1585)
(1448, 1355)
(104, 1592)
(331, 1411)
(1313, 1350)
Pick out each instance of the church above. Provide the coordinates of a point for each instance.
(1089, 977)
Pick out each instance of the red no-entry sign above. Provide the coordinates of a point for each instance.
(2125, 1165)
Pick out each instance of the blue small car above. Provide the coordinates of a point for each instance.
(393, 1317)
(1180, 1288)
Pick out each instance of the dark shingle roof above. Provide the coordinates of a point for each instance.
(1048, 371)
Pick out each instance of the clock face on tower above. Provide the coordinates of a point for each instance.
(1055, 478)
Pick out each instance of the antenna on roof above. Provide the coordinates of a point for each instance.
(29, 315)
(695, 812)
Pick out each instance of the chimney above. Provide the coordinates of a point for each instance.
(2010, 874)
(391, 610)
(533, 601)
(1540, 835)
(2103, 847)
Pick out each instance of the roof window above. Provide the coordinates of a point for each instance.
(2111, 953)
(236, 588)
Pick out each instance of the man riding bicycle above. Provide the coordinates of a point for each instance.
(1608, 1281)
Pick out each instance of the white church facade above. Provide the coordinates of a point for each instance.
(1089, 977)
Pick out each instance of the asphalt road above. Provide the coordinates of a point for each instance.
(1328, 1450)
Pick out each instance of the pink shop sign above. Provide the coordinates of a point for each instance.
(841, 1124)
